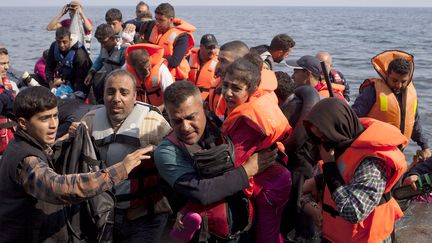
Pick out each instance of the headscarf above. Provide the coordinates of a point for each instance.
(336, 121)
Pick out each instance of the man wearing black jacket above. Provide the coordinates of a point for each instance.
(67, 63)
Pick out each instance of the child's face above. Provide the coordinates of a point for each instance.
(43, 126)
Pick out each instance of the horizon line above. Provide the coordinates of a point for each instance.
(188, 5)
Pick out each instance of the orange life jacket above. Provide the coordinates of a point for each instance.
(149, 90)
(203, 77)
(262, 109)
(386, 107)
(7, 126)
(167, 40)
(216, 102)
(379, 140)
(338, 90)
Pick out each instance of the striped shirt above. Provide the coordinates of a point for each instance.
(42, 182)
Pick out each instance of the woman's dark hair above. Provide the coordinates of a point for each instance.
(33, 100)
(245, 70)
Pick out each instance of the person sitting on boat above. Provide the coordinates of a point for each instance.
(279, 49)
(203, 62)
(74, 7)
(335, 76)
(68, 63)
(146, 63)
(111, 57)
(7, 97)
(205, 187)
(175, 36)
(392, 98)
(307, 71)
(362, 163)
(125, 33)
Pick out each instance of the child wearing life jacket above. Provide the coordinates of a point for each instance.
(254, 122)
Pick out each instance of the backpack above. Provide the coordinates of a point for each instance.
(93, 219)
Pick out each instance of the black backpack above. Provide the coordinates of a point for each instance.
(91, 220)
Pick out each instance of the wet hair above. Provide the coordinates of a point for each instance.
(62, 32)
(104, 31)
(282, 42)
(3, 51)
(400, 66)
(286, 85)
(33, 100)
(245, 71)
(165, 9)
(146, 14)
(113, 14)
(179, 92)
(121, 73)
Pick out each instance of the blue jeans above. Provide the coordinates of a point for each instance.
(146, 229)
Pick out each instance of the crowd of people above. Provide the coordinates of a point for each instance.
(205, 139)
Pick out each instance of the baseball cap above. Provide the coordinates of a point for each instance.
(208, 40)
(310, 63)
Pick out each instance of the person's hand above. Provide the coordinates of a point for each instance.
(128, 33)
(410, 180)
(130, 28)
(425, 154)
(56, 83)
(64, 10)
(88, 79)
(260, 161)
(314, 211)
(73, 127)
(327, 156)
(309, 186)
(179, 223)
(133, 159)
(79, 9)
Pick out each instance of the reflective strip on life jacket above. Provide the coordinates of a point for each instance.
(387, 108)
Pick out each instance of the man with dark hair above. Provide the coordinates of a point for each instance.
(68, 63)
(31, 192)
(175, 36)
(203, 61)
(121, 126)
(392, 98)
(285, 87)
(150, 72)
(279, 49)
(111, 57)
(75, 10)
(194, 131)
(334, 75)
(124, 32)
